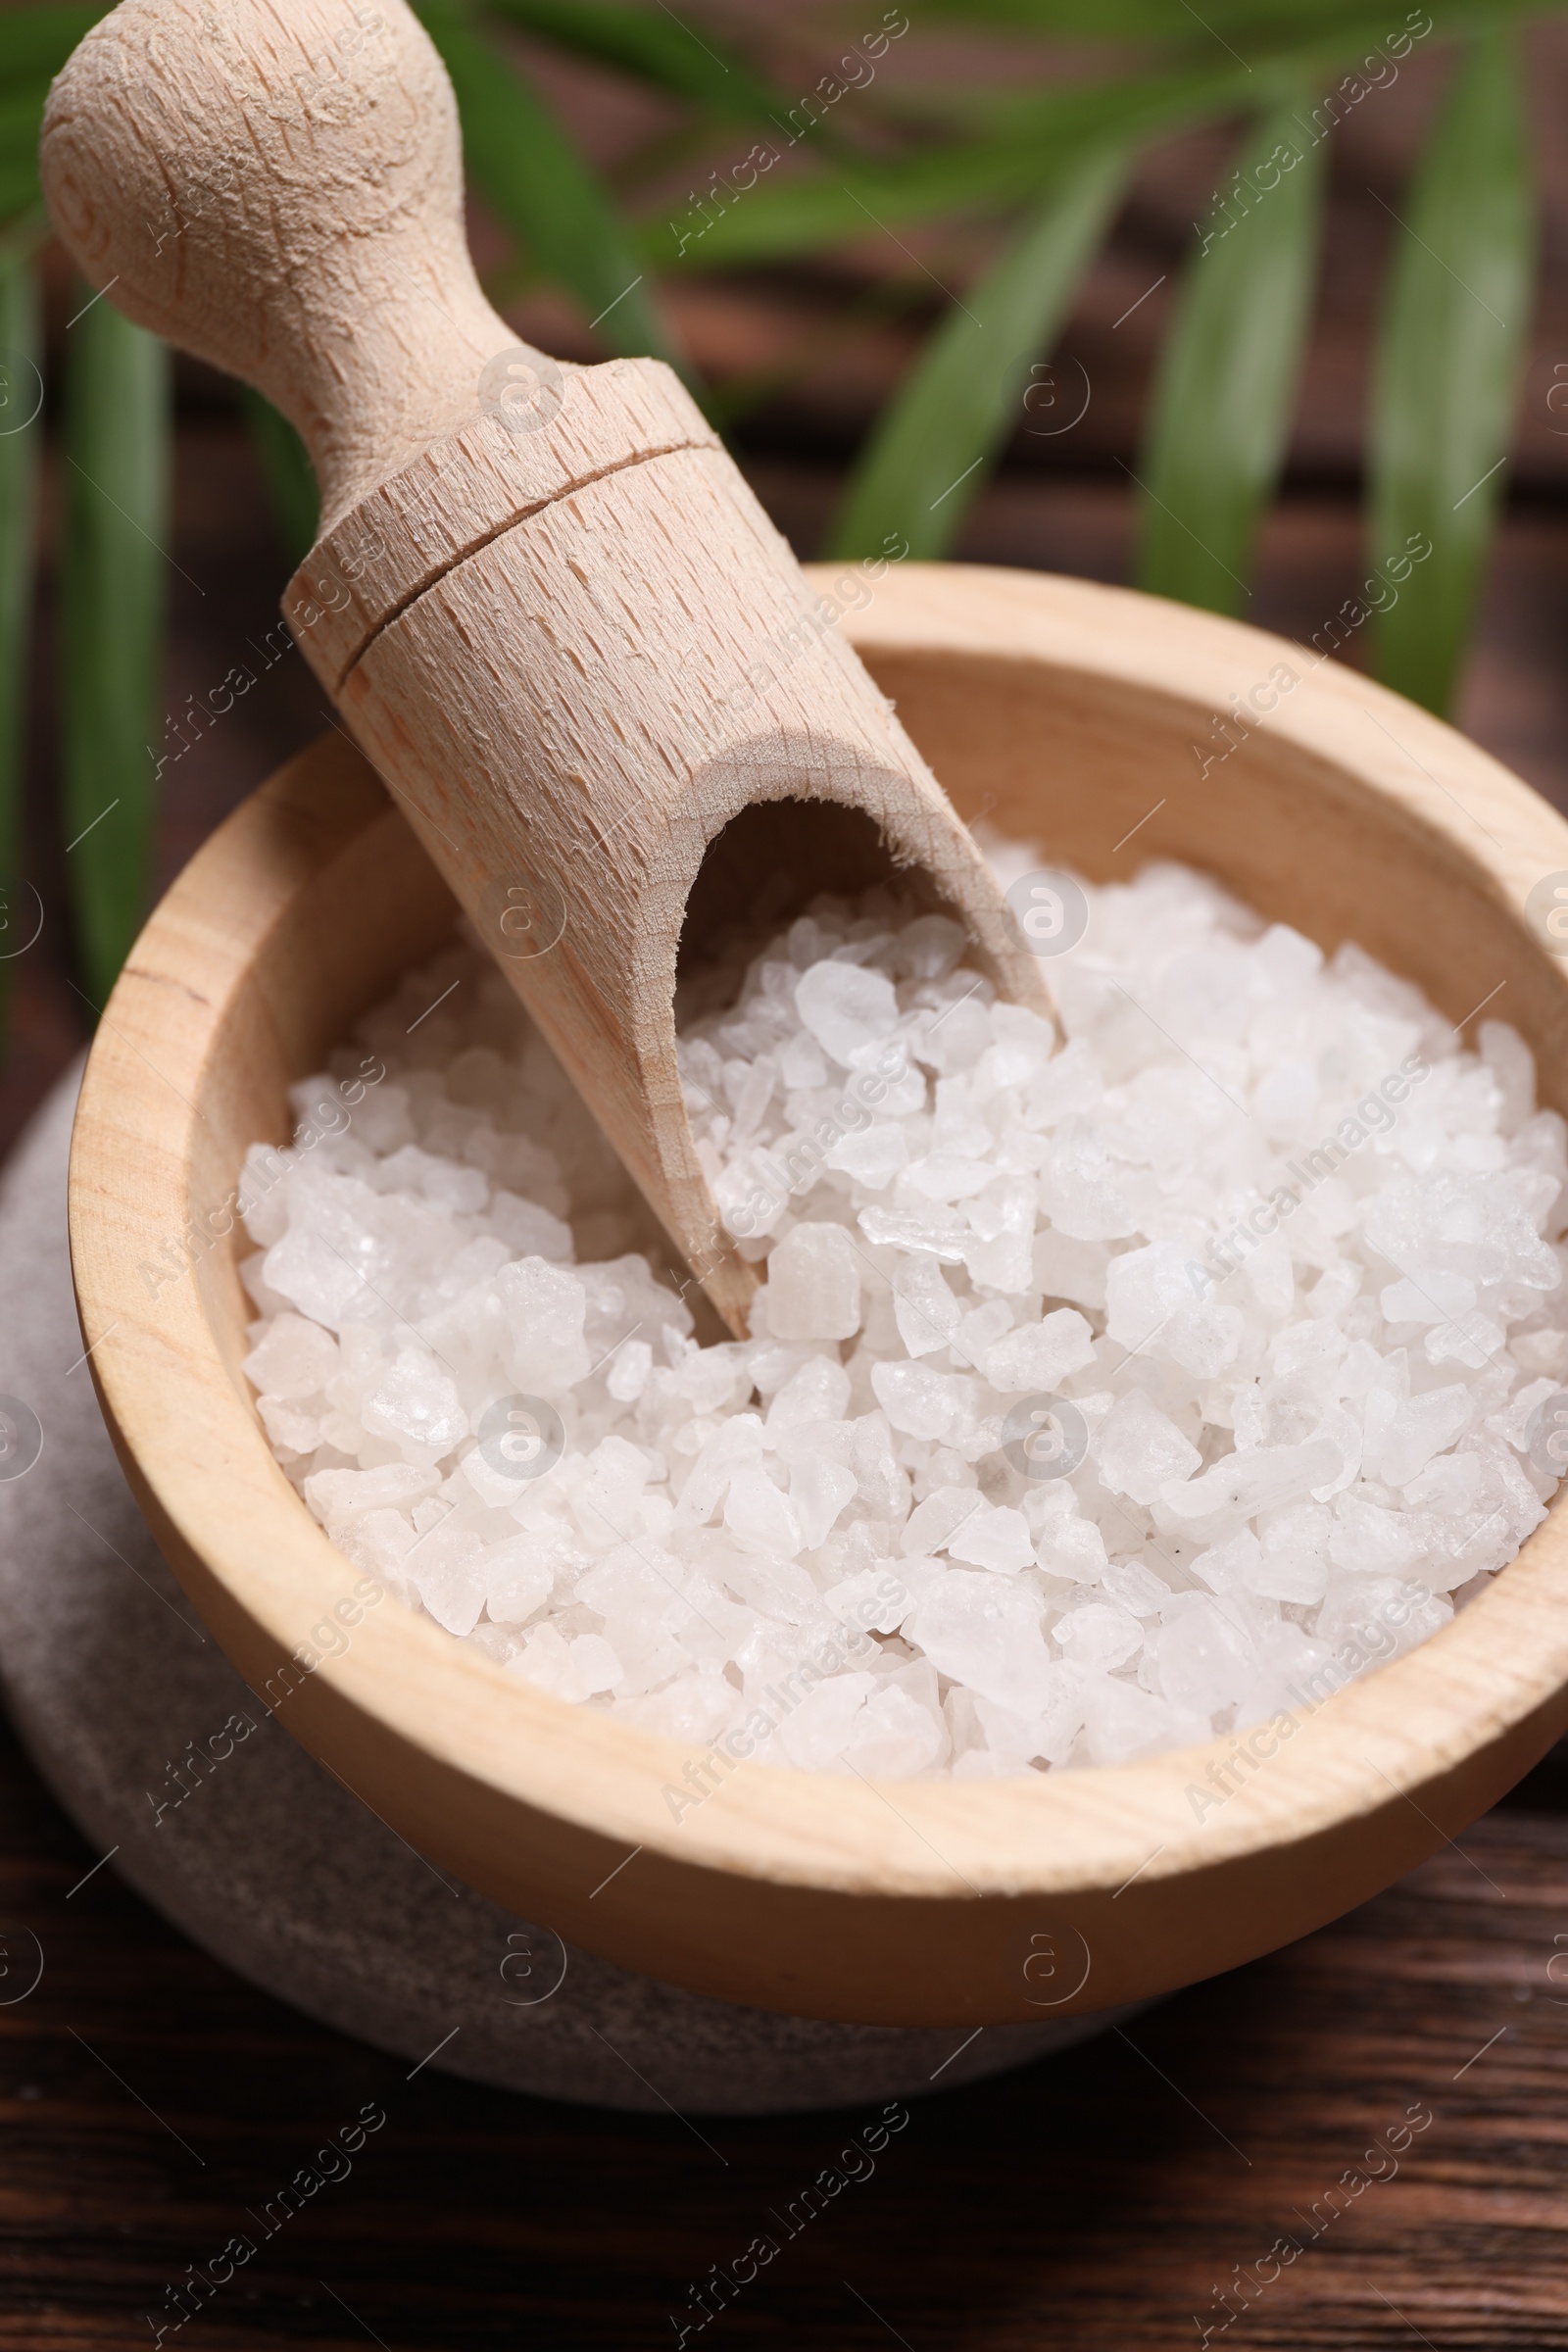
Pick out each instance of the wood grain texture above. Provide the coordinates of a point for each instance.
(1083, 2204)
(1061, 710)
(575, 662)
(464, 491)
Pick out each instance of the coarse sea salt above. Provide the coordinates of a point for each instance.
(1110, 1388)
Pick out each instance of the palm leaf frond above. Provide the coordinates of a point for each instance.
(1226, 386)
(1447, 375)
(928, 454)
(113, 568)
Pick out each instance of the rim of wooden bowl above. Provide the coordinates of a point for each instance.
(908, 1902)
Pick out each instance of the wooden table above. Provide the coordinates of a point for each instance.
(153, 2105)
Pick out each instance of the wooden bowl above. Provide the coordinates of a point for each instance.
(1080, 717)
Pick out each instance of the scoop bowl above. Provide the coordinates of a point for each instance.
(1110, 728)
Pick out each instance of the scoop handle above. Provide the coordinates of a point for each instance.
(277, 187)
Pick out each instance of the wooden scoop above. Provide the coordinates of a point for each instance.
(542, 598)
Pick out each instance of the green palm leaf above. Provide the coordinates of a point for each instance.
(1448, 368)
(1227, 379)
(794, 211)
(21, 438)
(654, 48)
(1030, 145)
(21, 108)
(116, 447)
(544, 190)
(36, 42)
(1260, 22)
(927, 456)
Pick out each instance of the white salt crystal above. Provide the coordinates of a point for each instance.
(813, 1281)
(337, 1497)
(595, 1663)
(985, 1630)
(1226, 1565)
(979, 1331)
(1136, 1587)
(803, 1063)
(708, 1378)
(1146, 1288)
(846, 1009)
(1203, 1662)
(947, 1176)
(894, 1737)
(1097, 1634)
(1073, 1548)
(466, 1190)
(1064, 1268)
(446, 1566)
(1122, 1721)
(816, 1732)
(288, 1429)
(295, 1359)
(317, 1274)
(1292, 1558)
(694, 1707)
(993, 1536)
(1001, 1254)
(730, 1445)
(1378, 1615)
(381, 1119)
(876, 1601)
(921, 1402)
(544, 1308)
(517, 1580)
(1433, 1296)
(263, 1192)
(821, 1489)
(940, 1235)
(1422, 1427)
(628, 1372)
(1048, 1734)
(1451, 1484)
(1139, 1452)
(379, 1539)
(1370, 1540)
(924, 1307)
(872, 1156)
(931, 1522)
(1256, 1481)
(819, 1391)
(882, 1486)
(1078, 1190)
(604, 1503)
(929, 946)
(957, 1040)
(418, 1401)
(530, 1230)
(759, 1516)
(1512, 1067)
(1040, 1356)
(572, 1670)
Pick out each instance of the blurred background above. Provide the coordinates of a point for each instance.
(1239, 306)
